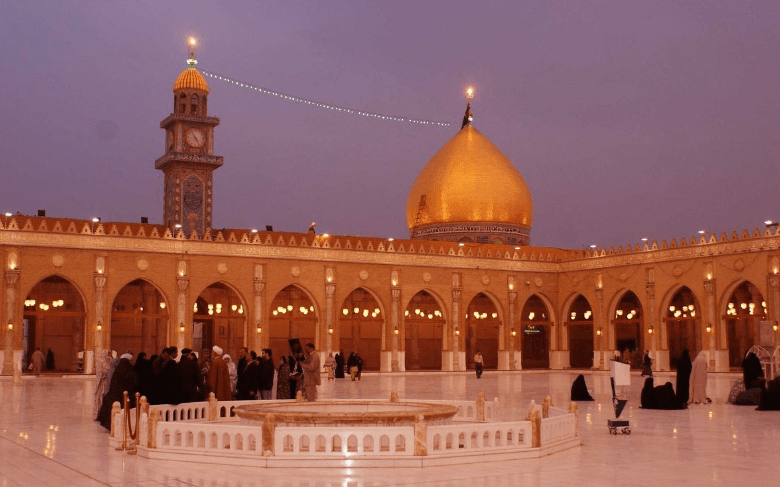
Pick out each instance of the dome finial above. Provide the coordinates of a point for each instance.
(192, 42)
(468, 117)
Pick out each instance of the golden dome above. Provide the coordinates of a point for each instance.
(469, 180)
(191, 79)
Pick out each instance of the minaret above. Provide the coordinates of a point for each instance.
(189, 159)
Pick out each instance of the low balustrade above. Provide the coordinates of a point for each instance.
(211, 430)
(344, 442)
(447, 439)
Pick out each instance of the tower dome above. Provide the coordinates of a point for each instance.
(470, 191)
(191, 79)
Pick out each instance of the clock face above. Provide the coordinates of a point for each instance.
(195, 137)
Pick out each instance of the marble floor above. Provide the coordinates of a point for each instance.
(47, 437)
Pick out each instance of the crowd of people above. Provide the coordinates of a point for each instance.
(691, 383)
(168, 379)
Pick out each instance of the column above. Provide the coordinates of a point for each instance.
(395, 314)
(774, 284)
(330, 289)
(660, 359)
(259, 331)
(599, 360)
(712, 321)
(100, 318)
(512, 325)
(11, 279)
(181, 309)
(456, 331)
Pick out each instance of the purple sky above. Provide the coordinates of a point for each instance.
(628, 119)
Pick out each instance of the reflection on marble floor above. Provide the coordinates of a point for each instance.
(47, 437)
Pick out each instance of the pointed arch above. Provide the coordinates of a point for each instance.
(577, 315)
(361, 331)
(293, 313)
(219, 318)
(743, 306)
(55, 315)
(139, 317)
(536, 322)
(626, 318)
(681, 314)
(424, 319)
(483, 319)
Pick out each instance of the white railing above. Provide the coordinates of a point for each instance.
(343, 442)
(559, 425)
(235, 439)
(185, 430)
(467, 410)
(449, 439)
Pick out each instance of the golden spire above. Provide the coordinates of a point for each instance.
(190, 78)
(468, 117)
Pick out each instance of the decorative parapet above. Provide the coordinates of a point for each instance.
(43, 231)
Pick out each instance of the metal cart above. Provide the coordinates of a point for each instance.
(620, 375)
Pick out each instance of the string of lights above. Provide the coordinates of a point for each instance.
(317, 104)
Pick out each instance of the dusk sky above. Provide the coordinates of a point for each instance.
(628, 119)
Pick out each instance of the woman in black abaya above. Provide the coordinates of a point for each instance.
(579, 390)
(684, 367)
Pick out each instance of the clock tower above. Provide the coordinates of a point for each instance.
(189, 160)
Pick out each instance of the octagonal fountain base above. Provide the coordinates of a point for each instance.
(349, 433)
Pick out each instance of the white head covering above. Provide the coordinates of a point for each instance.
(128, 356)
(226, 358)
(217, 349)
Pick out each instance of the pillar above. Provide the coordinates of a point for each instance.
(395, 292)
(512, 325)
(774, 285)
(259, 331)
(100, 284)
(660, 357)
(713, 322)
(458, 362)
(11, 280)
(330, 289)
(182, 283)
(600, 359)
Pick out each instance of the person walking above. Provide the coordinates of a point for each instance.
(478, 364)
(218, 377)
(330, 366)
(647, 364)
(38, 361)
(311, 373)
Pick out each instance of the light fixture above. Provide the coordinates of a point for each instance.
(395, 329)
(390, 239)
(702, 232)
(671, 308)
(514, 332)
(650, 330)
(644, 239)
(178, 225)
(259, 328)
(709, 327)
(234, 307)
(593, 246)
(598, 332)
(100, 326)
(254, 230)
(531, 315)
(774, 327)
(10, 325)
(289, 307)
(162, 305)
(330, 329)
(457, 332)
(461, 244)
(345, 311)
(181, 327)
